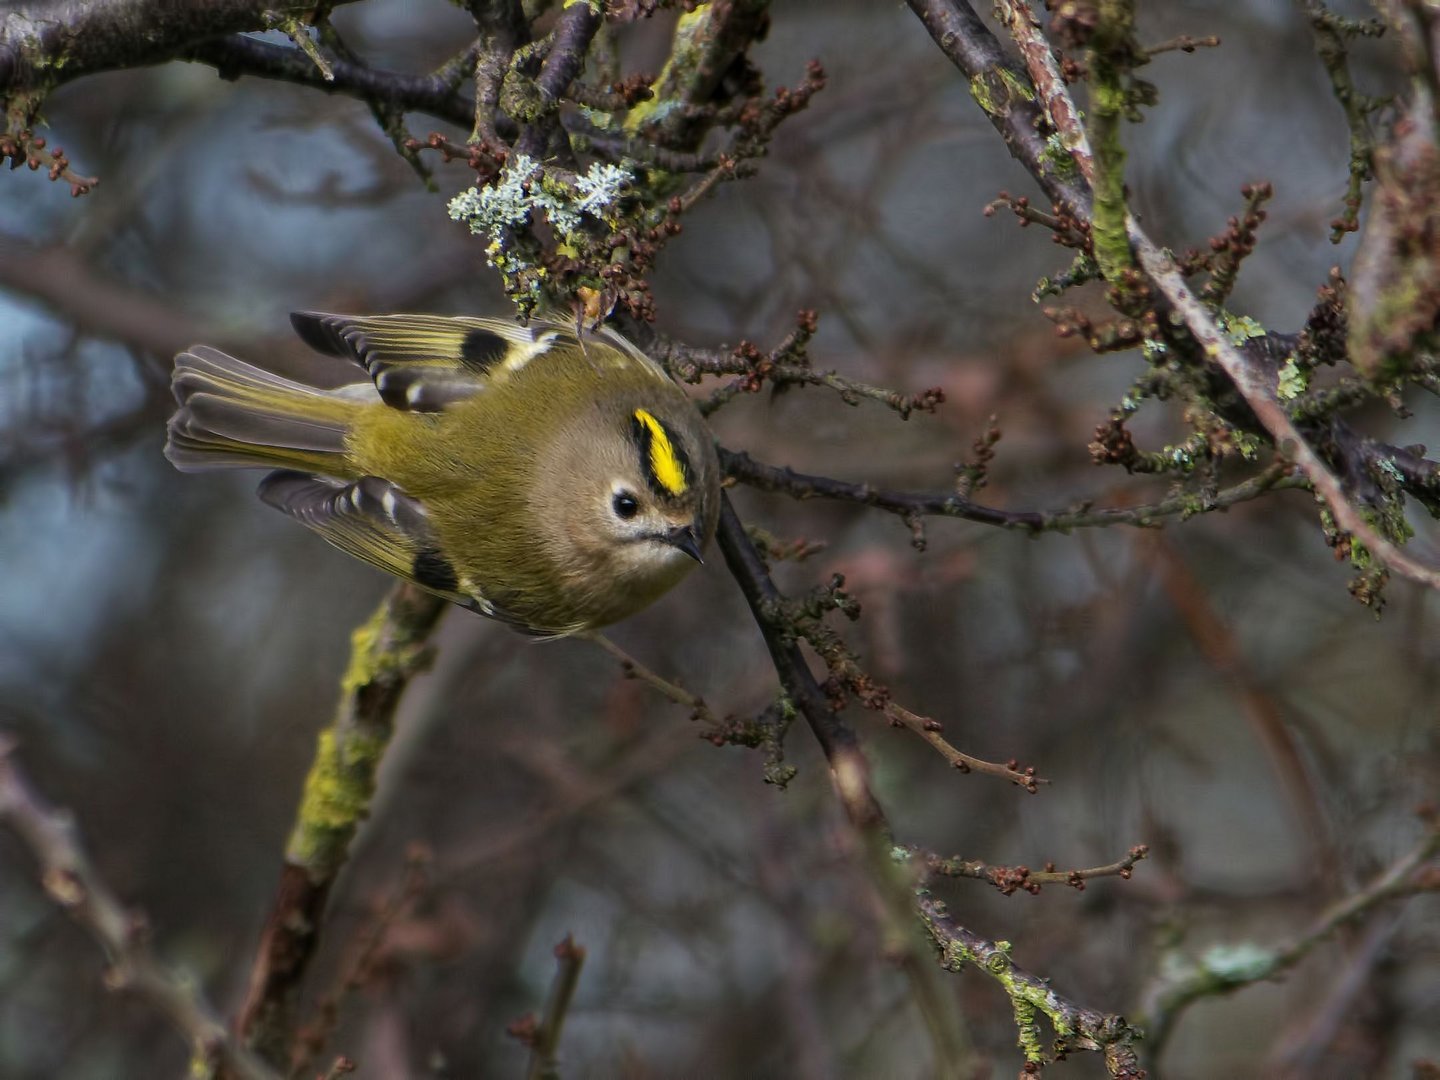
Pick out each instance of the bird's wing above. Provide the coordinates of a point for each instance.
(422, 363)
(374, 520)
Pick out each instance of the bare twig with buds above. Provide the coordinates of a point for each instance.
(71, 882)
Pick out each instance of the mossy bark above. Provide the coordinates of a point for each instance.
(387, 651)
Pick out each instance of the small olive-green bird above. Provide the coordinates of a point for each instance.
(547, 476)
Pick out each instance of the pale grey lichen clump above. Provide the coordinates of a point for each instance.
(502, 205)
(521, 188)
(507, 204)
(1242, 962)
(1224, 964)
(601, 187)
(492, 211)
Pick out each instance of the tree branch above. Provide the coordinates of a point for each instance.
(910, 504)
(1010, 879)
(387, 651)
(1249, 377)
(71, 882)
(1078, 1028)
(930, 730)
(837, 740)
(62, 42)
(433, 94)
(68, 282)
(706, 43)
(545, 1045)
(570, 41)
(634, 669)
(1229, 967)
(1005, 96)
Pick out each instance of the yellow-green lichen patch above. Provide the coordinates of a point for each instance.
(1294, 380)
(994, 89)
(1240, 328)
(336, 798)
(364, 652)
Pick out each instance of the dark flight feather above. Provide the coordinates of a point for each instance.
(422, 363)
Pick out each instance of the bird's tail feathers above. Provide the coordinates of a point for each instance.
(234, 415)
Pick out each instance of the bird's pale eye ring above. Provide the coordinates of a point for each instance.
(625, 505)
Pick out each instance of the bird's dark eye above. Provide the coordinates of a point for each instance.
(624, 505)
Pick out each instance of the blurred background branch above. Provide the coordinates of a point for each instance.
(71, 882)
(170, 649)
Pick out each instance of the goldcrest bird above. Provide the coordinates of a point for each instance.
(548, 476)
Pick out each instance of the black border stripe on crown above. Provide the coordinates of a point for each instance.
(644, 436)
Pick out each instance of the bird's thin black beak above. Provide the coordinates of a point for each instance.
(685, 539)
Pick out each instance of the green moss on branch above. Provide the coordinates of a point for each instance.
(387, 650)
(1112, 53)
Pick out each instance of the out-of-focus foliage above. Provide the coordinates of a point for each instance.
(169, 646)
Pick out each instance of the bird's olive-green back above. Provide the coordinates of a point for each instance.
(509, 475)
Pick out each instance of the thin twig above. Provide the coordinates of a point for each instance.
(388, 116)
(765, 732)
(1010, 879)
(1079, 1028)
(1331, 32)
(634, 669)
(929, 730)
(238, 55)
(1183, 43)
(909, 504)
(1218, 644)
(365, 952)
(299, 33)
(689, 363)
(1225, 969)
(569, 959)
(71, 882)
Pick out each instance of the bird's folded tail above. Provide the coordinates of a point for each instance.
(234, 415)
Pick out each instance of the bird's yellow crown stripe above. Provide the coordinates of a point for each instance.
(665, 463)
